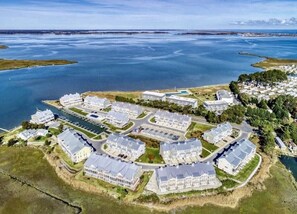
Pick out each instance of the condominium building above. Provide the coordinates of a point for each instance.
(216, 105)
(172, 120)
(113, 171)
(69, 100)
(226, 96)
(218, 133)
(187, 151)
(30, 133)
(74, 145)
(236, 156)
(151, 95)
(118, 144)
(117, 119)
(42, 117)
(96, 103)
(187, 177)
(183, 101)
(133, 111)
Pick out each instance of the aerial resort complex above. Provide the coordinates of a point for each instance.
(163, 146)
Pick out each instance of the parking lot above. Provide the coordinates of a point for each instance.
(162, 134)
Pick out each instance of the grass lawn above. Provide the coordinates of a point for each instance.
(196, 130)
(208, 92)
(153, 120)
(89, 134)
(63, 156)
(204, 153)
(99, 137)
(142, 115)
(247, 169)
(54, 131)
(79, 111)
(209, 146)
(151, 155)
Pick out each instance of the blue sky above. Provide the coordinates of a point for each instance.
(148, 14)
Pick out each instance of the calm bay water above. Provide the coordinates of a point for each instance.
(123, 62)
(291, 164)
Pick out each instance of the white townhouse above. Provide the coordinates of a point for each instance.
(96, 103)
(133, 111)
(29, 133)
(187, 177)
(74, 145)
(42, 117)
(117, 119)
(118, 144)
(187, 151)
(113, 170)
(225, 96)
(69, 100)
(216, 105)
(218, 133)
(152, 95)
(236, 156)
(172, 120)
(183, 101)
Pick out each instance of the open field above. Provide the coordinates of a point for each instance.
(207, 92)
(10, 64)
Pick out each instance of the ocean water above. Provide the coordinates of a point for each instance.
(123, 62)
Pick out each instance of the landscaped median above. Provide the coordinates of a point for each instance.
(78, 111)
(116, 129)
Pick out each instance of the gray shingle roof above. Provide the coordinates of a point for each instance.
(112, 166)
(181, 145)
(182, 171)
(125, 141)
(73, 141)
(172, 116)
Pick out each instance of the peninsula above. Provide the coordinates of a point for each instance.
(11, 64)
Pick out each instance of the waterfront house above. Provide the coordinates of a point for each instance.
(226, 96)
(118, 144)
(218, 133)
(117, 119)
(74, 145)
(113, 170)
(96, 103)
(236, 156)
(172, 120)
(69, 100)
(30, 133)
(183, 101)
(280, 143)
(151, 95)
(42, 117)
(187, 177)
(187, 151)
(133, 111)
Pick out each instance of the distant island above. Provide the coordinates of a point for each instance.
(11, 64)
(145, 31)
(3, 47)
